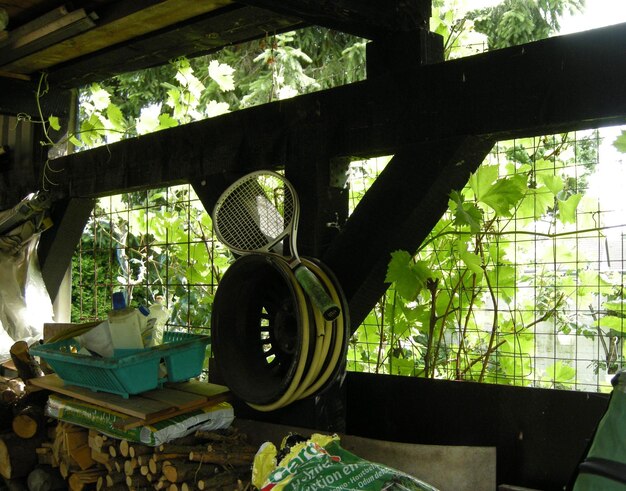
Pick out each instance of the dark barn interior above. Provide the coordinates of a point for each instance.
(439, 120)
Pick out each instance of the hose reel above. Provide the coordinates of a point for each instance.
(271, 345)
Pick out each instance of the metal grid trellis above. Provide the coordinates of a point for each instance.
(561, 325)
(557, 271)
(156, 245)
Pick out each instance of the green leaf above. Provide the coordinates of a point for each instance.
(620, 142)
(473, 263)
(100, 97)
(505, 194)
(482, 180)
(567, 208)
(560, 373)
(466, 214)
(552, 182)
(149, 119)
(409, 277)
(535, 203)
(75, 141)
(115, 116)
(615, 305)
(166, 121)
(54, 123)
(613, 323)
(222, 74)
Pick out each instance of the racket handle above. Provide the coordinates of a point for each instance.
(316, 292)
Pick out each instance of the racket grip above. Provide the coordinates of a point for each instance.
(316, 292)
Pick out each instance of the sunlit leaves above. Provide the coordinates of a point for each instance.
(222, 74)
(567, 208)
(465, 214)
(620, 142)
(408, 276)
(149, 119)
(504, 194)
(53, 121)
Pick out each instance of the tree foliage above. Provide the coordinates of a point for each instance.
(459, 307)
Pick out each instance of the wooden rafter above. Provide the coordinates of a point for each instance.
(370, 19)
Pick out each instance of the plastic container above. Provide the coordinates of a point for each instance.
(124, 324)
(131, 373)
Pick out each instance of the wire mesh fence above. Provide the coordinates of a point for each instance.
(532, 296)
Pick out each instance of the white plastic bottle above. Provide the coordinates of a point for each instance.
(161, 315)
(124, 324)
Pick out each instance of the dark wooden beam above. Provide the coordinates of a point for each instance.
(57, 244)
(200, 35)
(370, 19)
(20, 97)
(561, 84)
(397, 213)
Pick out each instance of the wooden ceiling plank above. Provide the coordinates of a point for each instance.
(122, 29)
(200, 35)
(65, 28)
(35, 24)
(371, 19)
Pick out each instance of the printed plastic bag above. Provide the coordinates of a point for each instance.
(24, 301)
(320, 463)
(107, 421)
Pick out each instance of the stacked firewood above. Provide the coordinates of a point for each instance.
(87, 459)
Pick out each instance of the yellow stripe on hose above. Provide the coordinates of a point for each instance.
(306, 384)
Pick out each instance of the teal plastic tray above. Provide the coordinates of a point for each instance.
(131, 373)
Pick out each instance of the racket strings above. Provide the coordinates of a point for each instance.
(249, 220)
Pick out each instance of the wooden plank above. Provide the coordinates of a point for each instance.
(205, 389)
(174, 398)
(366, 18)
(67, 31)
(51, 16)
(142, 21)
(134, 406)
(50, 27)
(129, 423)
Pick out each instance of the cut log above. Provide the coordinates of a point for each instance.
(100, 457)
(234, 459)
(136, 450)
(123, 448)
(28, 421)
(115, 478)
(81, 479)
(221, 480)
(154, 467)
(26, 365)
(45, 478)
(130, 466)
(170, 448)
(181, 472)
(160, 457)
(18, 456)
(137, 481)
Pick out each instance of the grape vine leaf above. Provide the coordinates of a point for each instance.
(505, 194)
(466, 213)
(620, 142)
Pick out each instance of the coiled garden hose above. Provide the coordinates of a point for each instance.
(321, 345)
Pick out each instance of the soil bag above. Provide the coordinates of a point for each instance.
(320, 463)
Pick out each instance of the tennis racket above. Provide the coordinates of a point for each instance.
(255, 215)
